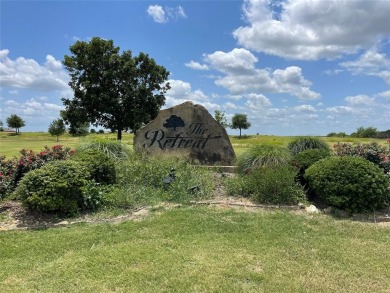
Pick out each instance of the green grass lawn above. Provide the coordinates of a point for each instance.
(11, 144)
(198, 249)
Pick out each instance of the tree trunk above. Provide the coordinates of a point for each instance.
(119, 137)
(240, 132)
(57, 138)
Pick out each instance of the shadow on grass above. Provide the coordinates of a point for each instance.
(243, 137)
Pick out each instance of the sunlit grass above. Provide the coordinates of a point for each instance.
(195, 249)
(11, 144)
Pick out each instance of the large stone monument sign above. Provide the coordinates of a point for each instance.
(186, 130)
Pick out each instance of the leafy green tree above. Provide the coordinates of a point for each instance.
(14, 121)
(221, 118)
(113, 90)
(76, 121)
(369, 132)
(57, 128)
(240, 121)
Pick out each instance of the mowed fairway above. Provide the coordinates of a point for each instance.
(198, 249)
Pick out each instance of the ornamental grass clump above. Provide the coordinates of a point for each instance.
(113, 149)
(262, 155)
(303, 143)
(350, 183)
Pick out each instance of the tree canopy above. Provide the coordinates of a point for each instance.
(57, 128)
(113, 90)
(14, 121)
(221, 118)
(240, 121)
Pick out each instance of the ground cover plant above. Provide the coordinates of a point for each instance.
(197, 249)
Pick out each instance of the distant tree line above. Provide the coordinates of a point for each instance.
(368, 132)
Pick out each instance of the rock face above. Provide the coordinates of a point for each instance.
(186, 130)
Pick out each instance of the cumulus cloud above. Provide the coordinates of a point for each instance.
(242, 76)
(164, 15)
(385, 95)
(257, 102)
(371, 63)
(360, 100)
(196, 65)
(181, 92)
(32, 108)
(27, 73)
(311, 30)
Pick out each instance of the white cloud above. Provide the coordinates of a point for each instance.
(242, 76)
(341, 110)
(163, 15)
(304, 108)
(385, 95)
(256, 102)
(370, 63)
(196, 65)
(237, 61)
(181, 92)
(360, 100)
(311, 30)
(27, 73)
(31, 109)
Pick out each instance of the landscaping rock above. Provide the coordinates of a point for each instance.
(186, 130)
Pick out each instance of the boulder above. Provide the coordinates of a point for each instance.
(189, 131)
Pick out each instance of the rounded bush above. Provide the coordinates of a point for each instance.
(349, 183)
(305, 159)
(55, 187)
(99, 165)
(301, 144)
(262, 155)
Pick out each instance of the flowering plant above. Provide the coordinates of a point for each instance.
(379, 155)
(12, 170)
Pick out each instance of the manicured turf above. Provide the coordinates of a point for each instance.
(197, 249)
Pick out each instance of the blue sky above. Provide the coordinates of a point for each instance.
(295, 67)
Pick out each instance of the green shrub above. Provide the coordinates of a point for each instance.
(113, 149)
(305, 159)
(349, 183)
(303, 143)
(140, 181)
(101, 167)
(262, 155)
(268, 185)
(55, 187)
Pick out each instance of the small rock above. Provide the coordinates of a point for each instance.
(312, 209)
(62, 223)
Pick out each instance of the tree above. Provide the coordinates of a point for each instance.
(1, 126)
(57, 127)
(369, 132)
(76, 122)
(221, 118)
(240, 121)
(14, 121)
(113, 90)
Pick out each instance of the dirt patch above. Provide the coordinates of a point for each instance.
(13, 216)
